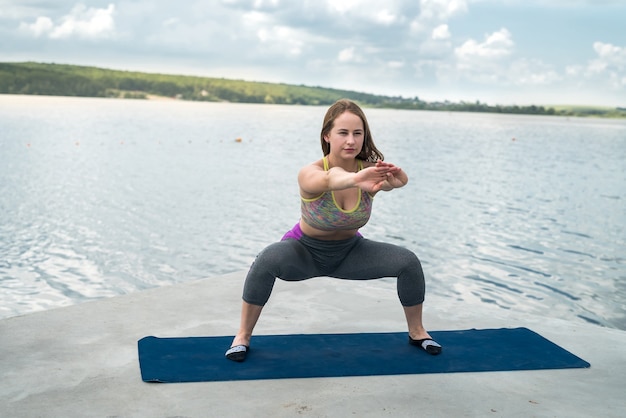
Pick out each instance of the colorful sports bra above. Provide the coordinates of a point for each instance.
(323, 212)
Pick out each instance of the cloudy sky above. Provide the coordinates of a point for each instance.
(542, 52)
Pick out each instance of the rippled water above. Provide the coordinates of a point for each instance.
(102, 197)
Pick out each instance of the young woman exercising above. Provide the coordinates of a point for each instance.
(336, 200)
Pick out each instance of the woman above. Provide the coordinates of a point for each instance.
(337, 193)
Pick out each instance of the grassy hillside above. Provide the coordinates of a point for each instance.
(73, 80)
(610, 112)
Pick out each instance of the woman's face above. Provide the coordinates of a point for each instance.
(347, 136)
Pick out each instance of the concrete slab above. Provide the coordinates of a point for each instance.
(82, 360)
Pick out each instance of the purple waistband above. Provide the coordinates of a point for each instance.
(296, 233)
(293, 233)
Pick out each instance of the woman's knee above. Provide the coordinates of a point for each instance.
(409, 260)
(411, 283)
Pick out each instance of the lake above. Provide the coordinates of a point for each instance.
(103, 197)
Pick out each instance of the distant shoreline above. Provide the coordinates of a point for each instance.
(31, 78)
(159, 98)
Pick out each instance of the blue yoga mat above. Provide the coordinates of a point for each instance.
(199, 359)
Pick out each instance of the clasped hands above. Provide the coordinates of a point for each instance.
(381, 176)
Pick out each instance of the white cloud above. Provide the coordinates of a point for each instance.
(609, 66)
(385, 17)
(370, 11)
(255, 18)
(610, 54)
(254, 4)
(573, 70)
(438, 45)
(41, 26)
(282, 38)
(268, 36)
(441, 9)
(81, 22)
(348, 55)
(532, 72)
(441, 32)
(342, 7)
(495, 46)
(435, 12)
(498, 44)
(484, 62)
(395, 65)
(258, 4)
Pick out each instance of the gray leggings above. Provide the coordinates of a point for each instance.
(356, 258)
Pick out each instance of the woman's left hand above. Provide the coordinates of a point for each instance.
(395, 176)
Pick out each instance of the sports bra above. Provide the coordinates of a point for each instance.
(323, 213)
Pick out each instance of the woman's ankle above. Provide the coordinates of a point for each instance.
(241, 339)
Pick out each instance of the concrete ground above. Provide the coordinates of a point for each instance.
(81, 361)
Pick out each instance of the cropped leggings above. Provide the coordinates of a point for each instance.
(356, 258)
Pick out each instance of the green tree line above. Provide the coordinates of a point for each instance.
(72, 80)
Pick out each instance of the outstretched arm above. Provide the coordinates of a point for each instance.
(313, 180)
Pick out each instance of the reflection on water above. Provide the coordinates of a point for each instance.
(105, 197)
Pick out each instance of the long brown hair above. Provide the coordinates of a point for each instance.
(369, 152)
